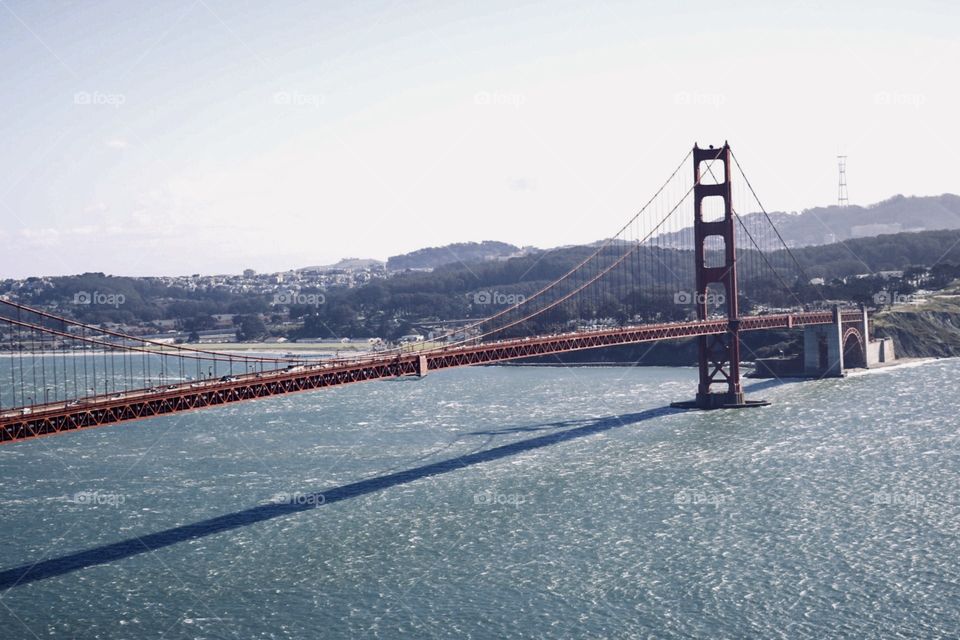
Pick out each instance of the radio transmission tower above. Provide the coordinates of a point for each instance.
(842, 199)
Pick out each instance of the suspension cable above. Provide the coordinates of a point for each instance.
(767, 216)
(600, 273)
(562, 278)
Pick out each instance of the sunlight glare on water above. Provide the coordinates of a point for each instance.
(572, 504)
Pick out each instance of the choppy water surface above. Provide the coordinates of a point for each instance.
(566, 503)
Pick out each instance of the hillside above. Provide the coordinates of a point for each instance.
(882, 253)
(347, 264)
(928, 328)
(413, 301)
(823, 225)
(827, 225)
(460, 252)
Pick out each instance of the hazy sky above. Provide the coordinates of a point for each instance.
(212, 135)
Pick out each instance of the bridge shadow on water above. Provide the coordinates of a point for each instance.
(770, 383)
(547, 426)
(107, 553)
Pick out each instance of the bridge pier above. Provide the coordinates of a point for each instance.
(422, 367)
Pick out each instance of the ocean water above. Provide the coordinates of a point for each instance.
(500, 502)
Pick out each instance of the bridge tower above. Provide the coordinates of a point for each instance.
(719, 355)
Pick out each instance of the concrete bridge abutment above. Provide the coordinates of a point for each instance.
(823, 348)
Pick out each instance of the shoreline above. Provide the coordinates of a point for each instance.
(899, 363)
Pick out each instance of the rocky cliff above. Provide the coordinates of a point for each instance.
(928, 328)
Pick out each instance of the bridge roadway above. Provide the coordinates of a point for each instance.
(54, 418)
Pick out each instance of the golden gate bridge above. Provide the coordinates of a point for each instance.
(686, 265)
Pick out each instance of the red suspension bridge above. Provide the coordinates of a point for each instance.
(686, 265)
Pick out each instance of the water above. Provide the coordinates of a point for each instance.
(573, 505)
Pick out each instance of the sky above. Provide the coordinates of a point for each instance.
(209, 136)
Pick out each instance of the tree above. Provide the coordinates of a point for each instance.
(200, 322)
(249, 327)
